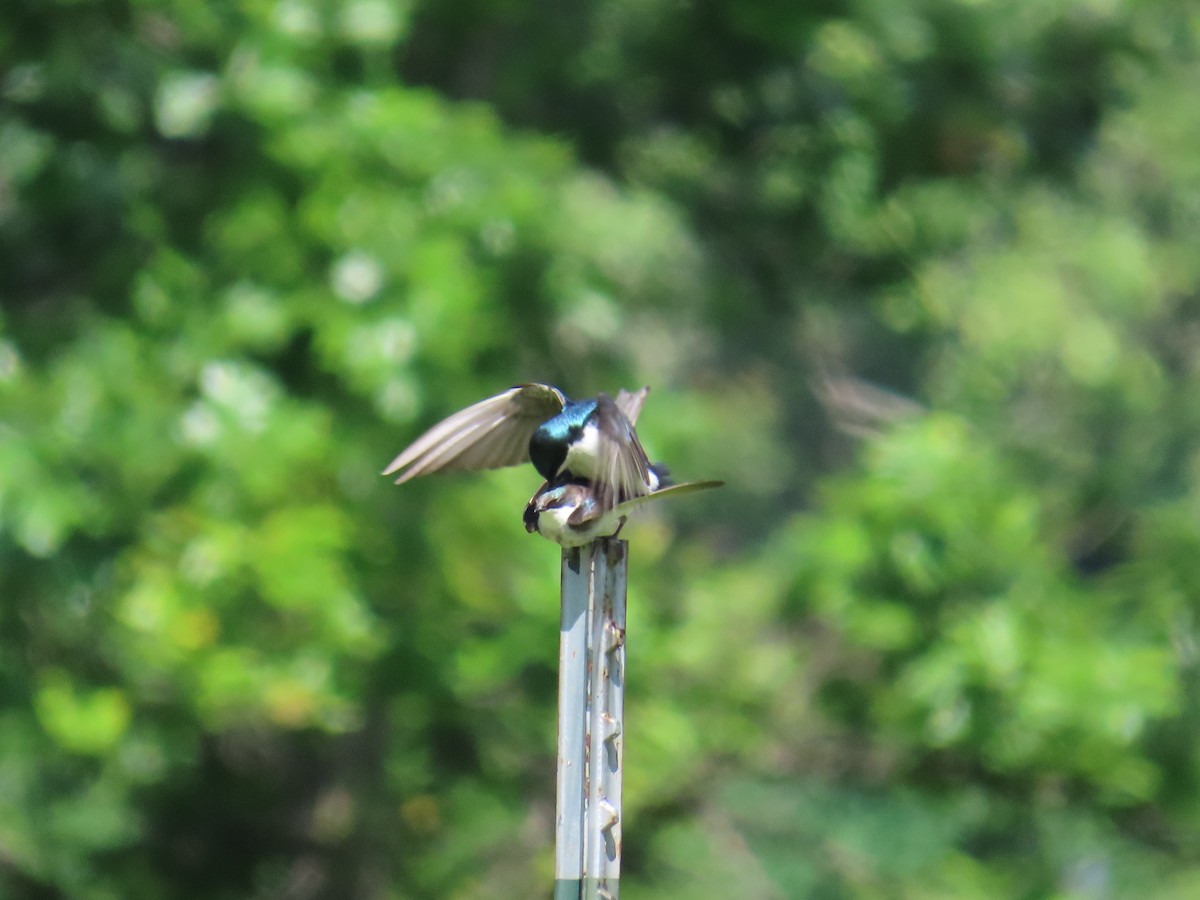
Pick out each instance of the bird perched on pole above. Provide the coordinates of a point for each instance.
(595, 468)
(571, 515)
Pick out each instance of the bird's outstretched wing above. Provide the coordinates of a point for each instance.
(622, 467)
(631, 403)
(587, 512)
(488, 435)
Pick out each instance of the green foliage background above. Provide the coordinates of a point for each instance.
(919, 279)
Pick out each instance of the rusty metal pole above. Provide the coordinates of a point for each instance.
(591, 687)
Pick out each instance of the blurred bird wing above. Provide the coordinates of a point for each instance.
(622, 468)
(588, 513)
(631, 403)
(488, 435)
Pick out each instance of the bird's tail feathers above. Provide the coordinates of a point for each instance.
(674, 490)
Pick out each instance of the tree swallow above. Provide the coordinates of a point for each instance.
(590, 441)
(570, 514)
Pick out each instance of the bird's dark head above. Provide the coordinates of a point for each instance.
(547, 452)
(550, 496)
(531, 516)
(548, 446)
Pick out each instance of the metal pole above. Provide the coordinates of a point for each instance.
(602, 861)
(572, 722)
(591, 685)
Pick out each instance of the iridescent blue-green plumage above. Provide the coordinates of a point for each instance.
(548, 446)
(587, 450)
(589, 439)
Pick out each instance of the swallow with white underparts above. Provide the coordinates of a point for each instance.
(591, 441)
(570, 514)
(596, 471)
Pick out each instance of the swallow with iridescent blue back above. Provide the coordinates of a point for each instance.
(587, 450)
(591, 439)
